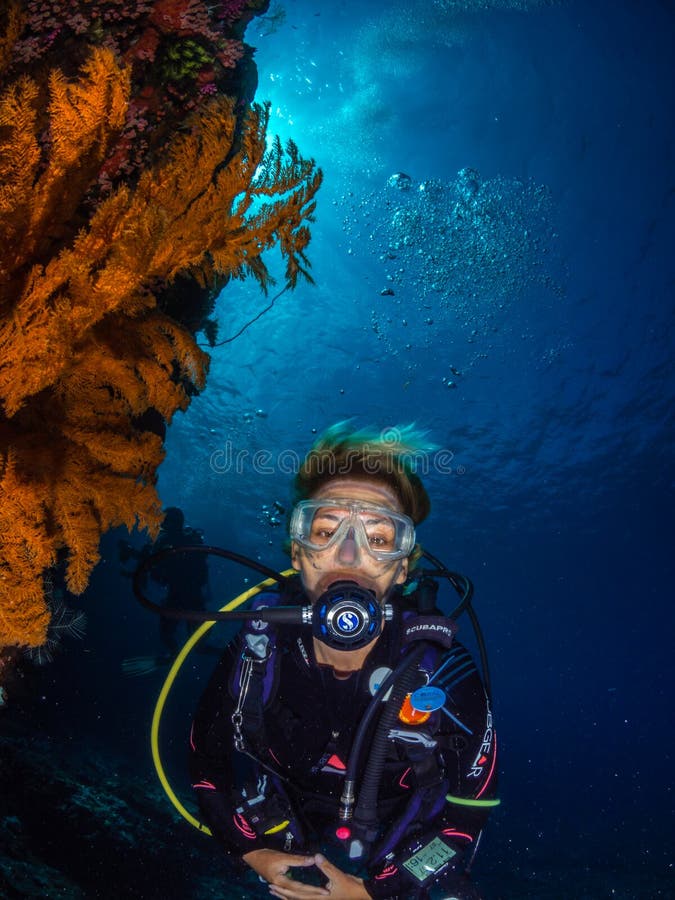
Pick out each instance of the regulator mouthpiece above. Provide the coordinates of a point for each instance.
(348, 616)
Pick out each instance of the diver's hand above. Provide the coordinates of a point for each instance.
(274, 866)
(341, 886)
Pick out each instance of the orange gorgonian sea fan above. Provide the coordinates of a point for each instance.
(88, 362)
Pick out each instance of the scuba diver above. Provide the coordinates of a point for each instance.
(184, 577)
(357, 760)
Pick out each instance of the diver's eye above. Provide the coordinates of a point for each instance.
(377, 540)
(321, 535)
(381, 533)
(324, 526)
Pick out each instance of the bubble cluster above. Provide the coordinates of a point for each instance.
(272, 514)
(468, 239)
(474, 6)
(455, 255)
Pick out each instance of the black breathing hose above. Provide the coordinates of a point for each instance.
(365, 814)
(283, 615)
(375, 705)
(471, 613)
(464, 588)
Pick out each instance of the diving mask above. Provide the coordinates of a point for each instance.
(323, 523)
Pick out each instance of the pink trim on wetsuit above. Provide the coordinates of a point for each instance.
(450, 832)
(242, 825)
(204, 784)
(400, 781)
(271, 753)
(387, 872)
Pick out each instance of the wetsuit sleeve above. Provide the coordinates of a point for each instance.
(212, 758)
(236, 803)
(448, 824)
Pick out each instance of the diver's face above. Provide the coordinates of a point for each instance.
(345, 560)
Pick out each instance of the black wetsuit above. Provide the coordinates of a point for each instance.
(306, 736)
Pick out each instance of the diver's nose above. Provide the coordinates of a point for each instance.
(348, 552)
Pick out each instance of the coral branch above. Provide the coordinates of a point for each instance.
(87, 356)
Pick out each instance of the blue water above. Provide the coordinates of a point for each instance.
(554, 492)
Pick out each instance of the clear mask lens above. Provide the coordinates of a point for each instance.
(381, 532)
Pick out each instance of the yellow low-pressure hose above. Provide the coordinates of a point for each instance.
(166, 687)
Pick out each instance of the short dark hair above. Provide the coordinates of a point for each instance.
(387, 456)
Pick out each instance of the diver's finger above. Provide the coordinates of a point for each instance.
(288, 889)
